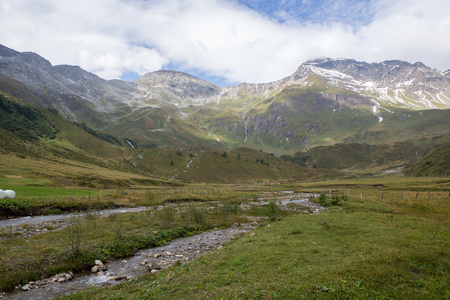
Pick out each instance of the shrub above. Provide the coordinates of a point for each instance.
(336, 200)
(323, 199)
(272, 210)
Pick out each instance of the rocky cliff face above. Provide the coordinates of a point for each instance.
(177, 88)
(70, 89)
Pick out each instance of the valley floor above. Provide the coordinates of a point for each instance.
(378, 238)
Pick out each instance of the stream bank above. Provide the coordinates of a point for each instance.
(142, 262)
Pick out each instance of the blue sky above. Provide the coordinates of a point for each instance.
(354, 12)
(225, 41)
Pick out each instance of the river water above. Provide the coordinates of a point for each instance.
(40, 219)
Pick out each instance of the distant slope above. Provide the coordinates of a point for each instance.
(40, 142)
(367, 158)
(435, 164)
(244, 165)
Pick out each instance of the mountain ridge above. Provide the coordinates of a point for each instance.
(392, 82)
(324, 102)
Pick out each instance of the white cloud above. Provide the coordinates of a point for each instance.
(219, 37)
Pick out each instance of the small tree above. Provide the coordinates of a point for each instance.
(272, 210)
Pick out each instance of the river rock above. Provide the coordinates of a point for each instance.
(26, 287)
(156, 255)
(53, 280)
(95, 269)
(154, 271)
(120, 277)
(99, 263)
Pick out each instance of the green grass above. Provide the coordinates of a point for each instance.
(38, 188)
(369, 248)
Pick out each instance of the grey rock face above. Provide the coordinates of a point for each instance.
(176, 87)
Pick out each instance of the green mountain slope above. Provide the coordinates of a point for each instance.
(436, 164)
(39, 141)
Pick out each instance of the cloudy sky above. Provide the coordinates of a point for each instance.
(225, 41)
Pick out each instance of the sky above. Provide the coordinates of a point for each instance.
(225, 42)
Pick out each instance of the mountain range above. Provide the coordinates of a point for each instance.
(396, 113)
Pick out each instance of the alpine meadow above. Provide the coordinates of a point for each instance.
(331, 183)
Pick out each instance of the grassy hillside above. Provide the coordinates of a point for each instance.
(38, 141)
(248, 165)
(369, 158)
(164, 126)
(435, 164)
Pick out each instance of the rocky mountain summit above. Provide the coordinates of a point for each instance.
(393, 82)
(177, 88)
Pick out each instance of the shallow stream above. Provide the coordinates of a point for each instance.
(144, 261)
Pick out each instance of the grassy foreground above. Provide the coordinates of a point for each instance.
(374, 247)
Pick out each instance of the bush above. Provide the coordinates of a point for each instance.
(323, 199)
(336, 200)
(272, 210)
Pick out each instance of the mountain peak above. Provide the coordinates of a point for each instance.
(176, 87)
(394, 82)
